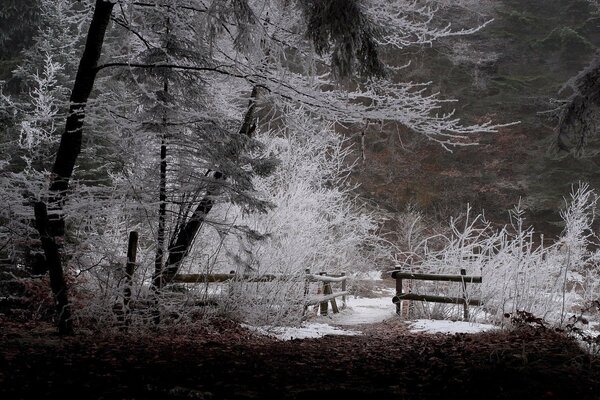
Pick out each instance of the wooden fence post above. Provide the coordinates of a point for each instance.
(324, 305)
(306, 288)
(463, 272)
(399, 294)
(130, 267)
(122, 311)
(327, 291)
(230, 283)
(344, 286)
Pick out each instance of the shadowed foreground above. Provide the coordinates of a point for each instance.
(228, 362)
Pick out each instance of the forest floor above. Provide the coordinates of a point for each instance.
(223, 360)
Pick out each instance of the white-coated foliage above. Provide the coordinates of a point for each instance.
(180, 73)
(407, 23)
(521, 270)
(315, 223)
(38, 127)
(35, 119)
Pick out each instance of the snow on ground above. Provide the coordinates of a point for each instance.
(361, 310)
(443, 326)
(364, 310)
(306, 330)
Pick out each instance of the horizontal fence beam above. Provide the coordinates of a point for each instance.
(148, 304)
(322, 299)
(325, 278)
(435, 277)
(435, 299)
(209, 278)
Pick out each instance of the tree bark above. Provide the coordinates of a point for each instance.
(180, 247)
(53, 262)
(70, 141)
(157, 280)
(186, 234)
(68, 151)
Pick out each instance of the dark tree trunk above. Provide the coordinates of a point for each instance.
(180, 247)
(186, 234)
(157, 280)
(68, 151)
(54, 265)
(70, 141)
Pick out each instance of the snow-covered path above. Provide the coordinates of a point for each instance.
(364, 311)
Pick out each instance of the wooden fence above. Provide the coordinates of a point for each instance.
(326, 293)
(400, 276)
(325, 296)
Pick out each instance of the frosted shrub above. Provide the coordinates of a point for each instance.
(315, 223)
(520, 270)
(467, 244)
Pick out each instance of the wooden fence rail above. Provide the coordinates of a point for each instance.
(213, 278)
(326, 292)
(463, 278)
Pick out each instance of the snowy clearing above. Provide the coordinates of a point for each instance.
(363, 310)
(305, 331)
(360, 311)
(443, 326)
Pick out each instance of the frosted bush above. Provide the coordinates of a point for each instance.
(316, 223)
(520, 269)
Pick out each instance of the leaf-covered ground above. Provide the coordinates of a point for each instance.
(225, 361)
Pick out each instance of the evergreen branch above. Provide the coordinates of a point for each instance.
(183, 7)
(125, 25)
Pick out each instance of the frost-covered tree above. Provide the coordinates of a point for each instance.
(177, 90)
(33, 116)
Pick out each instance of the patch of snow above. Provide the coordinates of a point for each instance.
(443, 326)
(306, 330)
(362, 310)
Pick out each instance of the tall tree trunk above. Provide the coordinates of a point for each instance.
(157, 279)
(53, 262)
(68, 151)
(181, 245)
(162, 215)
(70, 141)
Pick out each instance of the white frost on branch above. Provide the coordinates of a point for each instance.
(408, 23)
(38, 127)
(521, 270)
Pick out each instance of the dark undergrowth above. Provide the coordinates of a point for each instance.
(225, 361)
